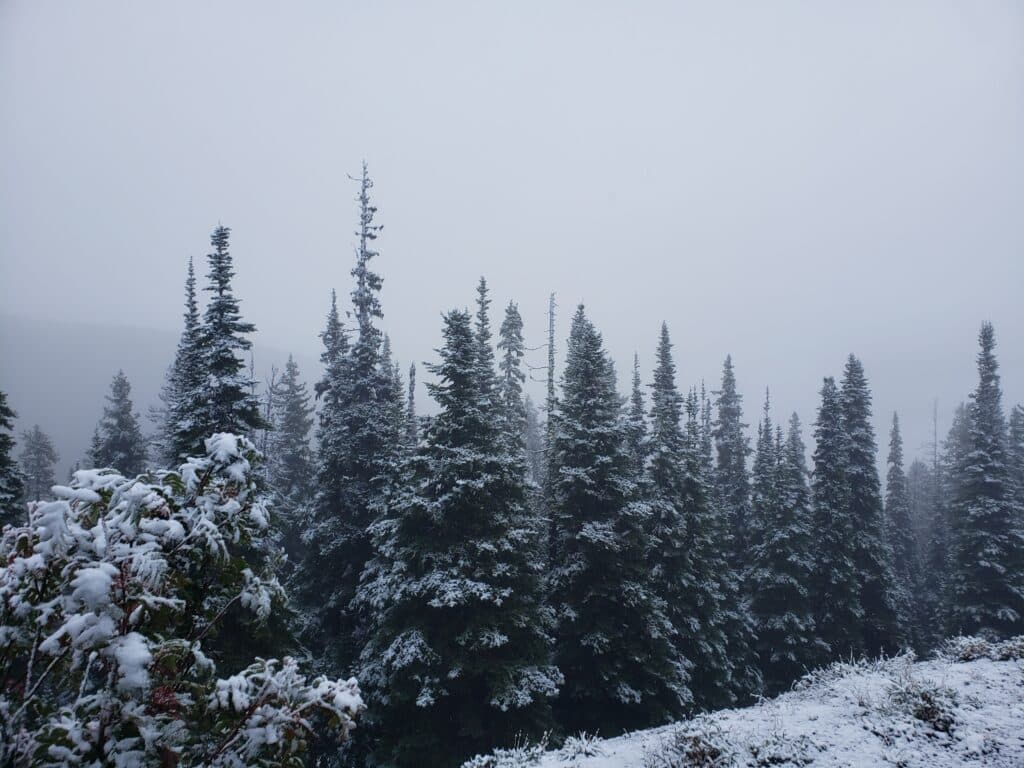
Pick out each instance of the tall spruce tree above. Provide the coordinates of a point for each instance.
(290, 464)
(178, 431)
(987, 581)
(226, 401)
(360, 443)
(327, 530)
(731, 478)
(636, 424)
(1015, 453)
(782, 561)
(675, 569)
(872, 555)
(901, 535)
(458, 660)
(937, 583)
(38, 458)
(834, 589)
(12, 484)
(412, 429)
(613, 640)
(118, 440)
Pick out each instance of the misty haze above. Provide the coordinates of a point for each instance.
(492, 386)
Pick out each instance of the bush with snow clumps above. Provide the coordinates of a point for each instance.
(105, 600)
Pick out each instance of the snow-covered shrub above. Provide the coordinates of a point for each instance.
(106, 597)
(582, 744)
(523, 755)
(777, 749)
(925, 700)
(698, 743)
(974, 648)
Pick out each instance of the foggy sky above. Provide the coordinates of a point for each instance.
(785, 182)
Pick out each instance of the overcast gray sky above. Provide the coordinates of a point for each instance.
(788, 182)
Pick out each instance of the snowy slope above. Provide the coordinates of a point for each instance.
(848, 715)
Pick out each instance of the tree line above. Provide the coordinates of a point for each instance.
(492, 572)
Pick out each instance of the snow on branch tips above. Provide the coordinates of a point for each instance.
(107, 596)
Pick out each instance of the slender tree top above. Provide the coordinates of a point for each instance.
(368, 283)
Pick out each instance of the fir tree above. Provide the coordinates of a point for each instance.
(674, 567)
(458, 659)
(987, 581)
(937, 584)
(290, 458)
(412, 430)
(782, 562)
(226, 401)
(900, 527)
(834, 589)
(512, 349)
(360, 444)
(613, 641)
(328, 528)
(636, 423)
(1015, 453)
(731, 479)
(872, 555)
(178, 431)
(118, 442)
(38, 457)
(12, 484)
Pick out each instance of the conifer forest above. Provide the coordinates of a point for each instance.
(505, 544)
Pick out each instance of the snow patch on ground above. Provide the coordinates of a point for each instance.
(897, 712)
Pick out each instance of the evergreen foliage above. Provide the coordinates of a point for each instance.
(613, 640)
(835, 593)
(290, 457)
(459, 658)
(902, 539)
(118, 442)
(225, 401)
(871, 553)
(177, 431)
(780, 575)
(12, 484)
(987, 582)
(360, 441)
(38, 458)
(731, 479)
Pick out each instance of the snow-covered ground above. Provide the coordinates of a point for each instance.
(927, 714)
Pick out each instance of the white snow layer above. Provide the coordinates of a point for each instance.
(930, 714)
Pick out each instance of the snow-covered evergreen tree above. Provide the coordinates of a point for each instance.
(38, 458)
(613, 640)
(636, 423)
(987, 579)
(675, 568)
(1015, 454)
(834, 589)
(118, 442)
(290, 464)
(782, 562)
(225, 401)
(732, 483)
(459, 657)
(510, 366)
(412, 428)
(178, 431)
(12, 484)
(901, 535)
(872, 554)
(108, 597)
(360, 443)
(937, 583)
